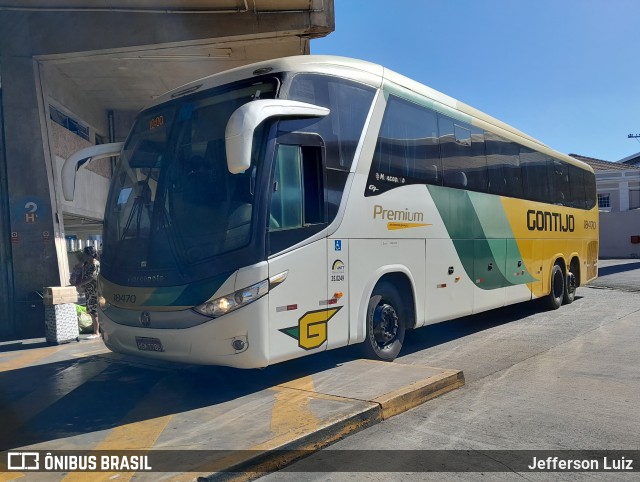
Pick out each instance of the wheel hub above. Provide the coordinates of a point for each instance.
(571, 283)
(385, 324)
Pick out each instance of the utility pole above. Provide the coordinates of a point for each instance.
(634, 136)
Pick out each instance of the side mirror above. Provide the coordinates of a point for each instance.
(71, 165)
(238, 135)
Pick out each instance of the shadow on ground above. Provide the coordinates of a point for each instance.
(100, 392)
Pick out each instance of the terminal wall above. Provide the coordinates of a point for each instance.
(63, 93)
(6, 261)
(35, 231)
(34, 45)
(616, 230)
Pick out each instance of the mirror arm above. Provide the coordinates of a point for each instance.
(73, 163)
(243, 122)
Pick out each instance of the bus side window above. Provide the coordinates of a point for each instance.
(503, 163)
(462, 149)
(535, 175)
(298, 208)
(590, 189)
(286, 198)
(559, 177)
(578, 192)
(349, 103)
(407, 149)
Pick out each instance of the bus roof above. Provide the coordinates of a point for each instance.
(369, 73)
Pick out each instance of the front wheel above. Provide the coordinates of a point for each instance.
(386, 317)
(556, 294)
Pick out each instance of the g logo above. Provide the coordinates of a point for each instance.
(311, 331)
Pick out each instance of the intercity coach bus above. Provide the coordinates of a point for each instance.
(307, 203)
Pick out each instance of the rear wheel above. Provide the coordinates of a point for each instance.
(386, 317)
(572, 282)
(556, 295)
(569, 288)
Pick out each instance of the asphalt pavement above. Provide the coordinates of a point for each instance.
(535, 380)
(619, 274)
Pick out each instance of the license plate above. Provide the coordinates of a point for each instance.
(148, 344)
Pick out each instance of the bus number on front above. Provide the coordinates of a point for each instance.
(124, 298)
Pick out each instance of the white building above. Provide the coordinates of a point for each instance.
(618, 188)
(632, 160)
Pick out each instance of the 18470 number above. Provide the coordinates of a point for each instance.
(118, 298)
(590, 225)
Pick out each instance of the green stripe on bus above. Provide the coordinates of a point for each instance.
(187, 295)
(482, 236)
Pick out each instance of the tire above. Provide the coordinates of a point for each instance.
(386, 318)
(570, 286)
(556, 294)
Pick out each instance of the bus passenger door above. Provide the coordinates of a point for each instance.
(298, 311)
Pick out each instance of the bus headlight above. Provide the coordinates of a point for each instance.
(226, 304)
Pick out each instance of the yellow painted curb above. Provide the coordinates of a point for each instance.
(418, 392)
(387, 405)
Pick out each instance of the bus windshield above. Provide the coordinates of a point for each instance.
(173, 205)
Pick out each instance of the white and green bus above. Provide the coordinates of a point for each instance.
(307, 203)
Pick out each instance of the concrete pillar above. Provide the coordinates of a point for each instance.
(33, 217)
(6, 265)
(32, 248)
(33, 222)
(624, 196)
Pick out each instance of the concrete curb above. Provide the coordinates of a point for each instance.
(419, 392)
(205, 423)
(260, 463)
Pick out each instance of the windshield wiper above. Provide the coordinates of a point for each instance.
(141, 201)
(175, 245)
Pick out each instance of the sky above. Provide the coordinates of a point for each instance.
(566, 72)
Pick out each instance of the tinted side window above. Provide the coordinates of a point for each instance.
(463, 159)
(349, 103)
(559, 182)
(287, 196)
(578, 192)
(503, 166)
(408, 142)
(407, 148)
(590, 189)
(535, 178)
(298, 207)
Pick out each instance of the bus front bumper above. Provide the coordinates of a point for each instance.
(237, 339)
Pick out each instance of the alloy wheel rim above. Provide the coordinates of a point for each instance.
(385, 325)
